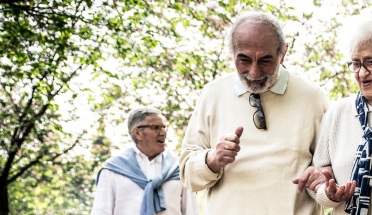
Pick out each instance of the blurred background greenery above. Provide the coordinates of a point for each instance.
(72, 69)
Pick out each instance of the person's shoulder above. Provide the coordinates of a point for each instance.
(125, 151)
(342, 107)
(107, 173)
(221, 80)
(300, 81)
(118, 157)
(220, 85)
(302, 86)
(348, 99)
(170, 153)
(346, 102)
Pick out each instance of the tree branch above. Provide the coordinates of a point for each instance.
(39, 158)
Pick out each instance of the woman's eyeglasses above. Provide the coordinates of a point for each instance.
(355, 65)
(258, 116)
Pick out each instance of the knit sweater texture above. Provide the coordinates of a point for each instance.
(339, 135)
(260, 179)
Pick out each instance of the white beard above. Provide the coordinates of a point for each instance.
(258, 88)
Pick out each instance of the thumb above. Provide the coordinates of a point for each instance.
(239, 131)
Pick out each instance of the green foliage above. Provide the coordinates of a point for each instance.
(327, 211)
(40, 41)
(59, 187)
(107, 57)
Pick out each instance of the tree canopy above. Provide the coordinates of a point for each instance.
(72, 69)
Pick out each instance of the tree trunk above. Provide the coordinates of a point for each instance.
(4, 199)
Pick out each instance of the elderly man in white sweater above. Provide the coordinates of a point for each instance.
(254, 130)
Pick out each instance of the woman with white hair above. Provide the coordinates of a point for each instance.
(345, 135)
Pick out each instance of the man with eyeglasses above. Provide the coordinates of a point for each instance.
(144, 179)
(253, 131)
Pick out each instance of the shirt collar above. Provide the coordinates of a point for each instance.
(140, 156)
(279, 87)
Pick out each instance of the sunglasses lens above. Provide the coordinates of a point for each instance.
(258, 116)
(259, 120)
(253, 101)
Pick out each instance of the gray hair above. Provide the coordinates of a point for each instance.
(136, 116)
(258, 18)
(355, 31)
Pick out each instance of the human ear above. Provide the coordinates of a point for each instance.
(137, 133)
(285, 48)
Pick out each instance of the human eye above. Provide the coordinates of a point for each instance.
(368, 62)
(244, 59)
(265, 61)
(156, 127)
(356, 64)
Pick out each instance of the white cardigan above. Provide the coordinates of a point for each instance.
(339, 135)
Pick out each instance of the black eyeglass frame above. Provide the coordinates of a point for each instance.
(155, 127)
(350, 63)
(255, 101)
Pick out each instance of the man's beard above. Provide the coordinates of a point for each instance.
(267, 81)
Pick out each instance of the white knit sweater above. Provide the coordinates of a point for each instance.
(260, 180)
(339, 135)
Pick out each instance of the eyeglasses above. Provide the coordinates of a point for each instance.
(355, 66)
(258, 116)
(154, 127)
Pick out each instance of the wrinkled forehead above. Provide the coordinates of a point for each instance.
(362, 47)
(254, 27)
(254, 23)
(255, 35)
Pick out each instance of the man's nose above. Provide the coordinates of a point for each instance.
(254, 71)
(163, 131)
